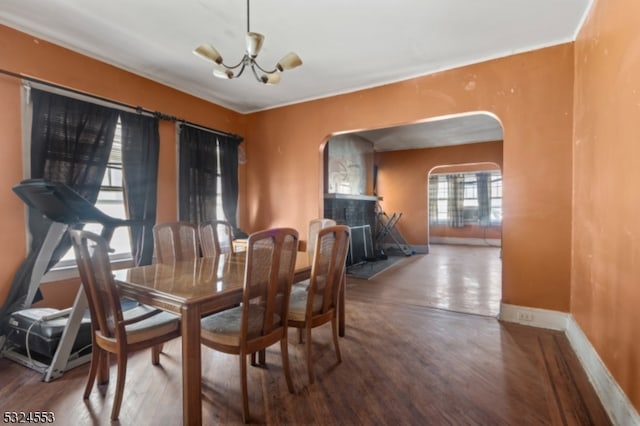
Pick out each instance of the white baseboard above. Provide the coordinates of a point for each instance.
(493, 242)
(615, 401)
(535, 317)
(420, 249)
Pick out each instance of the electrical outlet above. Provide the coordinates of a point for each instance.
(525, 316)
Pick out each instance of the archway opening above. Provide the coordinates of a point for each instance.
(403, 156)
(465, 237)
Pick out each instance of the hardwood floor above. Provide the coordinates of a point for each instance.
(455, 278)
(403, 363)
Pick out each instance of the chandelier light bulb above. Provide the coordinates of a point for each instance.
(206, 51)
(254, 44)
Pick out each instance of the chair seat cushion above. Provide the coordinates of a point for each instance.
(224, 327)
(298, 304)
(301, 285)
(157, 325)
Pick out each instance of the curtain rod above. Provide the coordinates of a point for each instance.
(138, 109)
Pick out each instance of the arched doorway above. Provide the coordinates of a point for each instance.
(465, 237)
(402, 156)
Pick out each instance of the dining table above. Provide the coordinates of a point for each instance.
(192, 289)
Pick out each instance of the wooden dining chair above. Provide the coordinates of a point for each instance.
(175, 241)
(315, 225)
(261, 320)
(112, 330)
(319, 304)
(216, 237)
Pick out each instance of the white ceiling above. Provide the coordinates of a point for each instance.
(345, 45)
(441, 131)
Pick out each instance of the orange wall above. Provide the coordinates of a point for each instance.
(24, 54)
(605, 294)
(532, 96)
(403, 180)
(12, 224)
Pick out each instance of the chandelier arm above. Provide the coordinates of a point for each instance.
(244, 64)
(242, 61)
(262, 69)
(255, 73)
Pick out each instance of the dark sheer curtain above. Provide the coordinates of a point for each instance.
(140, 149)
(70, 143)
(229, 178)
(455, 203)
(484, 202)
(197, 175)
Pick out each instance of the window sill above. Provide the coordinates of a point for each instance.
(70, 270)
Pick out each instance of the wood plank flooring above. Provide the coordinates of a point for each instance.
(404, 363)
(455, 278)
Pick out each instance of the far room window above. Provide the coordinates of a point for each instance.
(470, 203)
(442, 200)
(441, 206)
(495, 192)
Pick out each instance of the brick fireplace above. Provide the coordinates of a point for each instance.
(351, 210)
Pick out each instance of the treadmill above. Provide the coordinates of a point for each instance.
(46, 331)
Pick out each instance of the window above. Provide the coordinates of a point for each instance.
(200, 175)
(110, 199)
(495, 194)
(72, 137)
(219, 210)
(442, 199)
(470, 201)
(441, 204)
(111, 202)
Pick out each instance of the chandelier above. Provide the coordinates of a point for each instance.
(254, 44)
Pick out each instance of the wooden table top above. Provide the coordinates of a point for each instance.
(194, 280)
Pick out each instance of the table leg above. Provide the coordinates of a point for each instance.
(341, 306)
(191, 367)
